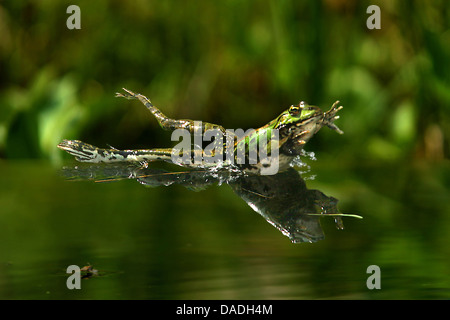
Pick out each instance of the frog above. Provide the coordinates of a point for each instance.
(293, 128)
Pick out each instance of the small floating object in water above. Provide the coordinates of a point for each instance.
(88, 272)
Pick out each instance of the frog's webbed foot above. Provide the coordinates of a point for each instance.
(330, 116)
(127, 95)
(82, 151)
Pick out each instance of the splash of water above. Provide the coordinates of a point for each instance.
(302, 167)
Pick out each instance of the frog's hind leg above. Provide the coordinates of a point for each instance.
(85, 152)
(168, 123)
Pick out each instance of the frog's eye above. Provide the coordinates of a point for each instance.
(302, 104)
(294, 110)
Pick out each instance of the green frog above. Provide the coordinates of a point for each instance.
(282, 139)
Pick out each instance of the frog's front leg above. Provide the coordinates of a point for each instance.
(167, 123)
(298, 138)
(330, 116)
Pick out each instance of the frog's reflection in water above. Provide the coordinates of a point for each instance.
(282, 199)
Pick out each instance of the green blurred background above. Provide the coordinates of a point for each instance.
(238, 64)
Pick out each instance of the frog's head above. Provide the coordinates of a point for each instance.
(298, 115)
(300, 122)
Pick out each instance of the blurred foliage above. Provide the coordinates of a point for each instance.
(237, 63)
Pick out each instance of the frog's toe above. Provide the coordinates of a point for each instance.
(335, 104)
(127, 95)
(334, 127)
(82, 151)
(333, 110)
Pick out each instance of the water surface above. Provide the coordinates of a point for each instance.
(173, 243)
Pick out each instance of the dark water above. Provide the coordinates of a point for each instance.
(173, 243)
